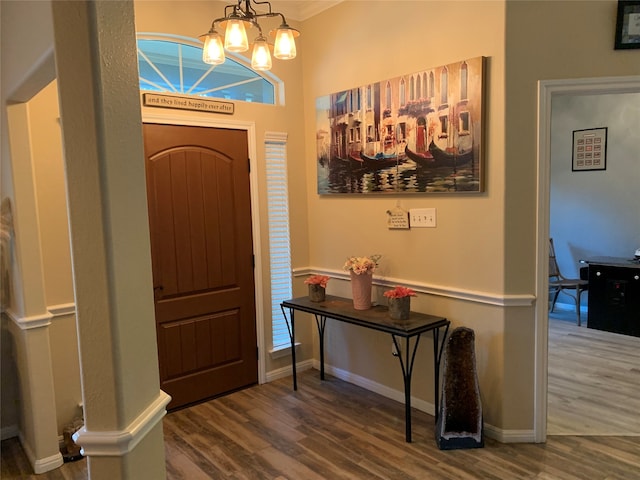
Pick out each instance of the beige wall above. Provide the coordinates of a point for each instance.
(562, 49)
(356, 43)
(360, 42)
(44, 124)
(557, 51)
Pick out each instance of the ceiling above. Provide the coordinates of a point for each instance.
(301, 9)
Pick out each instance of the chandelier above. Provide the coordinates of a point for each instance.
(235, 22)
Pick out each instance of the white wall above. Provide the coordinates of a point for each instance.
(595, 213)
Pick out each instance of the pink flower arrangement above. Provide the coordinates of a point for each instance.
(400, 292)
(317, 280)
(360, 265)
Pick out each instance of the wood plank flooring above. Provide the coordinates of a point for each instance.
(336, 430)
(594, 380)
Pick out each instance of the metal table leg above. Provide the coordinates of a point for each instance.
(438, 348)
(292, 336)
(407, 369)
(321, 321)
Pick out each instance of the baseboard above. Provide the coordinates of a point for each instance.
(502, 436)
(9, 432)
(41, 465)
(509, 436)
(286, 371)
(375, 387)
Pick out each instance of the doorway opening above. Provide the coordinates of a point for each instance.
(547, 90)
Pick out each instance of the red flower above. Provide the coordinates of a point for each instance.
(317, 280)
(400, 292)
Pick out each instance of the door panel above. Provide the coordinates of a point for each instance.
(202, 253)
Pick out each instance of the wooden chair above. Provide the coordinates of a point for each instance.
(559, 283)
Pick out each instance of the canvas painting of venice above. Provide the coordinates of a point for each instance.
(417, 133)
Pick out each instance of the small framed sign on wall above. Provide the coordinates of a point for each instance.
(628, 24)
(589, 149)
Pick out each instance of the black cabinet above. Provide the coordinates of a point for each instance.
(614, 296)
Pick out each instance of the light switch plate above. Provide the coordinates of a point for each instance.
(422, 217)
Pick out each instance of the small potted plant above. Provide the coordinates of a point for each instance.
(399, 302)
(317, 285)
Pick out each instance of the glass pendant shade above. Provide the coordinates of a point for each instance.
(261, 58)
(235, 37)
(285, 44)
(213, 51)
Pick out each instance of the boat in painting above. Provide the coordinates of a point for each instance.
(436, 157)
(380, 160)
(450, 159)
(421, 158)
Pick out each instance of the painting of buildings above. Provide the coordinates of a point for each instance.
(417, 133)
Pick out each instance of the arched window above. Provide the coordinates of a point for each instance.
(412, 88)
(418, 88)
(403, 93)
(431, 85)
(171, 64)
(444, 85)
(464, 77)
(388, 95)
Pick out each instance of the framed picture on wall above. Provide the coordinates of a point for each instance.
(628, 24)
(589, 149)
(418, 133)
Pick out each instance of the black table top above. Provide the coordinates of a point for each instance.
(377, 317)
(613, 261)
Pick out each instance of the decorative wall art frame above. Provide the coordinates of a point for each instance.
(417, 133)
(589, 149)
(628, 24)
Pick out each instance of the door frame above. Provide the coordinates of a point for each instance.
(547, 89)
(250, 128)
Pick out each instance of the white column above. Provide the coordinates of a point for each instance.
(96, 64)
(30, 320)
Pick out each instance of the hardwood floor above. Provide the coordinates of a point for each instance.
(594, 380)
(336, 430)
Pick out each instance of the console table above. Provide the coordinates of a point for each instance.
(376, 318)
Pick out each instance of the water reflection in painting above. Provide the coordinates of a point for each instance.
(339, 176)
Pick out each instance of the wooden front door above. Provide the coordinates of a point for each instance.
(202, 253)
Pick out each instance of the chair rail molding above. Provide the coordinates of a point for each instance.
(62, 309)
(477, 296)
(121, 442)
(30, 322)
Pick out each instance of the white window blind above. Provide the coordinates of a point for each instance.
(279, 245)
